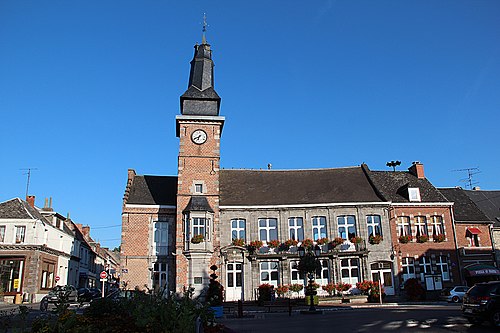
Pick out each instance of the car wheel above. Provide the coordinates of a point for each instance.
(495, 318)
(455, 299)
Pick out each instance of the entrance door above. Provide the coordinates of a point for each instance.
(234, 290)
(383, 271)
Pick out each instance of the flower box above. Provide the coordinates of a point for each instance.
(197, 239)
(375, 239)
(405, 239)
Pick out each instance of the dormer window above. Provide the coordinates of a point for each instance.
(414, 194)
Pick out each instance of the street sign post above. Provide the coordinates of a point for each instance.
(103, 276)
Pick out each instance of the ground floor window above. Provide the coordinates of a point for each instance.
(349, 271)
(408, 265)
(160, 276)
(11, 271)
(443, 268)
(323, 275)
(48, 273)
(269, 272)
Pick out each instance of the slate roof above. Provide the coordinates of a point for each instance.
(465, 210)
(488, 202)
(198, 203)
(19, 209)
(153, 190)
(287, 187)
(392, 186)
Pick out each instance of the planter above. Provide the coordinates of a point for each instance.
(308, 300)
(218, 311)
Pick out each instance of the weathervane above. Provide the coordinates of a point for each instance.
(393, 164)
(205, 25)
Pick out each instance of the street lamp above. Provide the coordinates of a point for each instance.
(310, 264)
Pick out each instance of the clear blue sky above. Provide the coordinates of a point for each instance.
(89, 89)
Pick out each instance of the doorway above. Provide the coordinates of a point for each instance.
(234, 279)
(383, 271)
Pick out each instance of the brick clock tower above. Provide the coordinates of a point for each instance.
(199, 129)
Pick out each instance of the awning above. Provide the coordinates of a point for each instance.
(481, 270)
(474, 230)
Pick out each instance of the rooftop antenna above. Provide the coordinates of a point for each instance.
(393, 164)
(469, 182)
(29, 176)
(205, 25)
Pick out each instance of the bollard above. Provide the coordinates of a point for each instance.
(240, 309)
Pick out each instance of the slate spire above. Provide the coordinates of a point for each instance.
(200, 98)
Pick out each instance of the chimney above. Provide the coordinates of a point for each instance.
(86, 230)
(417, 169)
(30, 199)
(476, 188)
(47, 207)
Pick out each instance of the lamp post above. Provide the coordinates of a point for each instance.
(310, 264)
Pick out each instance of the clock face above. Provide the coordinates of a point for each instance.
(199, 136)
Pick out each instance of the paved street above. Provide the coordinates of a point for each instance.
(400, 318)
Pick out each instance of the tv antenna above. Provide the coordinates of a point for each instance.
(469, 182)
(28, 180)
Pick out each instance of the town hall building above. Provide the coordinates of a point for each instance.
(249, 223)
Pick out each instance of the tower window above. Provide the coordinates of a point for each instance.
(198, 188)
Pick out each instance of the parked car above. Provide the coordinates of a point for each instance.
(88, 294)
(453, 294)
(482, 303)
(67, 294)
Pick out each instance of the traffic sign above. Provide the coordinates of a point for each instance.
(103, 275)
(57, 278)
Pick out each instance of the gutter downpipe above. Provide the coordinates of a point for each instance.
(462, 280)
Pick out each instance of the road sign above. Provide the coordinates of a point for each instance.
(103, 275)
(57, 278)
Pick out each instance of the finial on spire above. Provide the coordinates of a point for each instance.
(205, 25)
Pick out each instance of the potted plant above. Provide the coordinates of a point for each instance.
(341, 288)
(307, 243)
(329, 288)
(281, 290)
(197, 239)
(322, 241)
(291, 242)
(356, 240)
(296, 288)
(439, 238)
(215, 294)
(422, 238)
(239, 242)
(375, 239)
(405, 239)
(336, 242)
(254, 246)
(273, 243)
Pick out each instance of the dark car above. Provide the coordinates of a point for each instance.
(88, 294)
(482, 303)
(58, 294)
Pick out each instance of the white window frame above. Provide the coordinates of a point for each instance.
(414, 194)
(404, 226)
(270, 268)
(295, 275)
(296, 228)
(421, 226)
(425, 267)
(374, 225)
(20, 234)
(408, 268)
(160, 239)
(270, 232)
(198, 188)
(318, 227)
(2, 233)
(161, 269)
(350, 268)
(344, 222)
(324, 274)
(437, 225)
(237, 230)
(443, 267)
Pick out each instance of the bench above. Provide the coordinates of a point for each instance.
(286, 303)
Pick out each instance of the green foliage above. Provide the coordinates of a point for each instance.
(414, 290)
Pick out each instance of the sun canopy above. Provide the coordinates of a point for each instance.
(474, 230)
(481, 270)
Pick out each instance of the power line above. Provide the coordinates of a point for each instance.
(106, 227)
